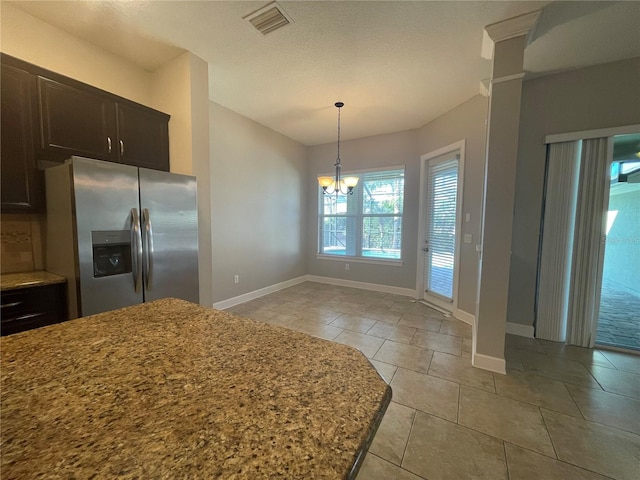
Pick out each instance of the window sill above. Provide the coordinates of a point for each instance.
(372, 261)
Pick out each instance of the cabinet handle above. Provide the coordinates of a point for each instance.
(109, 143)
(121, 148)
(29, 315)
(9, 305)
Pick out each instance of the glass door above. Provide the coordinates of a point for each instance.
(442, 202)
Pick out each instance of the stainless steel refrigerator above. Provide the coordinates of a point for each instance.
(121, 235)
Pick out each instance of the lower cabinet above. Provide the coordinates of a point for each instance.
(33, 307)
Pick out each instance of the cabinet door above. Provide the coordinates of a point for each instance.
(27, 308)
(143, 137)
(21, 183)
(75, 122)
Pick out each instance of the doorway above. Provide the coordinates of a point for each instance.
(619, 316)
(577, 234)
(439, 243)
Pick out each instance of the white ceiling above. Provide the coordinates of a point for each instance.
(396, 65)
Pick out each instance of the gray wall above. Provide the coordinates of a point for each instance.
(622, 253)
(466, 121)
(265, 200)
(258, 204)
(596, 97)
(364, 153)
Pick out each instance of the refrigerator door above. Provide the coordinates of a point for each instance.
(170, 235)
(109, 243)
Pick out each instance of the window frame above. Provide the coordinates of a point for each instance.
(358, 217)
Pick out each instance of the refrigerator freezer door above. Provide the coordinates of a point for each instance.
(108, 233)
(170, 235)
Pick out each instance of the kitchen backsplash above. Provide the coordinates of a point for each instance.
(22, 243)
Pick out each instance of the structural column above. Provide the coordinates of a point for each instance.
(506, 42)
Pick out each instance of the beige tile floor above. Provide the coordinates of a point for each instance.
(559, 413)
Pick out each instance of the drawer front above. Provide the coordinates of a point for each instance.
(27, 322)
(33, 307)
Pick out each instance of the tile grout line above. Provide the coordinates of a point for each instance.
(381, 345)
(502, 439)
(558, 460)
(458, 409)
(546, 427)
(438, 416)
(406, 445)
(574, 401)
(504, 395)
(506, 460)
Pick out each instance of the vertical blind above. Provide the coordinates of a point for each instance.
(442, 193)
(588, 251)
(557, 246)
(571, 259)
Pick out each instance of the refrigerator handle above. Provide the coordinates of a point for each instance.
(136, 240)
(148, 229)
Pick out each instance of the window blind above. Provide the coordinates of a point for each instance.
(442, 191)
(554, 268)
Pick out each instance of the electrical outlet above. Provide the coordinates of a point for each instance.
(346, 266)
(468, 238)
(236, 279)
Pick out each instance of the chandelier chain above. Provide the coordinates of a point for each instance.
(338, 159)
(337, 184)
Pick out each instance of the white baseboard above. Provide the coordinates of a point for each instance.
(486, 362)
(246, 297)
(409, 292)
(466, 317)
(520, 330)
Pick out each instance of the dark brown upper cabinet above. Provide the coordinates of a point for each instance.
(72, 118)
(143, 137)
(22, 185)
(46, 118)
(74, 121)
(80, 120)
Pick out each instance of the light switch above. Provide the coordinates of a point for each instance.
(468, 238)
(467, 217)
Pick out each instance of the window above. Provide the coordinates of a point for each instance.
(367, 224)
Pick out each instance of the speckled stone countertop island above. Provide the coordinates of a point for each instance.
(10, 281)
(170, 389)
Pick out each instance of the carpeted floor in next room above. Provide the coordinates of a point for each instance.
(560, 412)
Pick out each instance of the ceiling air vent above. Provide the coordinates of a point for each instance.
(269, 18)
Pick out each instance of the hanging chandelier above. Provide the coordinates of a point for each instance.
(338, 184)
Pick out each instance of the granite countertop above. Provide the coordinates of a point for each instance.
(11, 281)
(170, 389)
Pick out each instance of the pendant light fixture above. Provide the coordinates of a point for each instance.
(338, 184)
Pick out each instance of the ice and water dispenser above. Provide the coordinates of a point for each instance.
(111, 252)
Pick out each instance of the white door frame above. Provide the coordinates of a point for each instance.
(422, 224)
